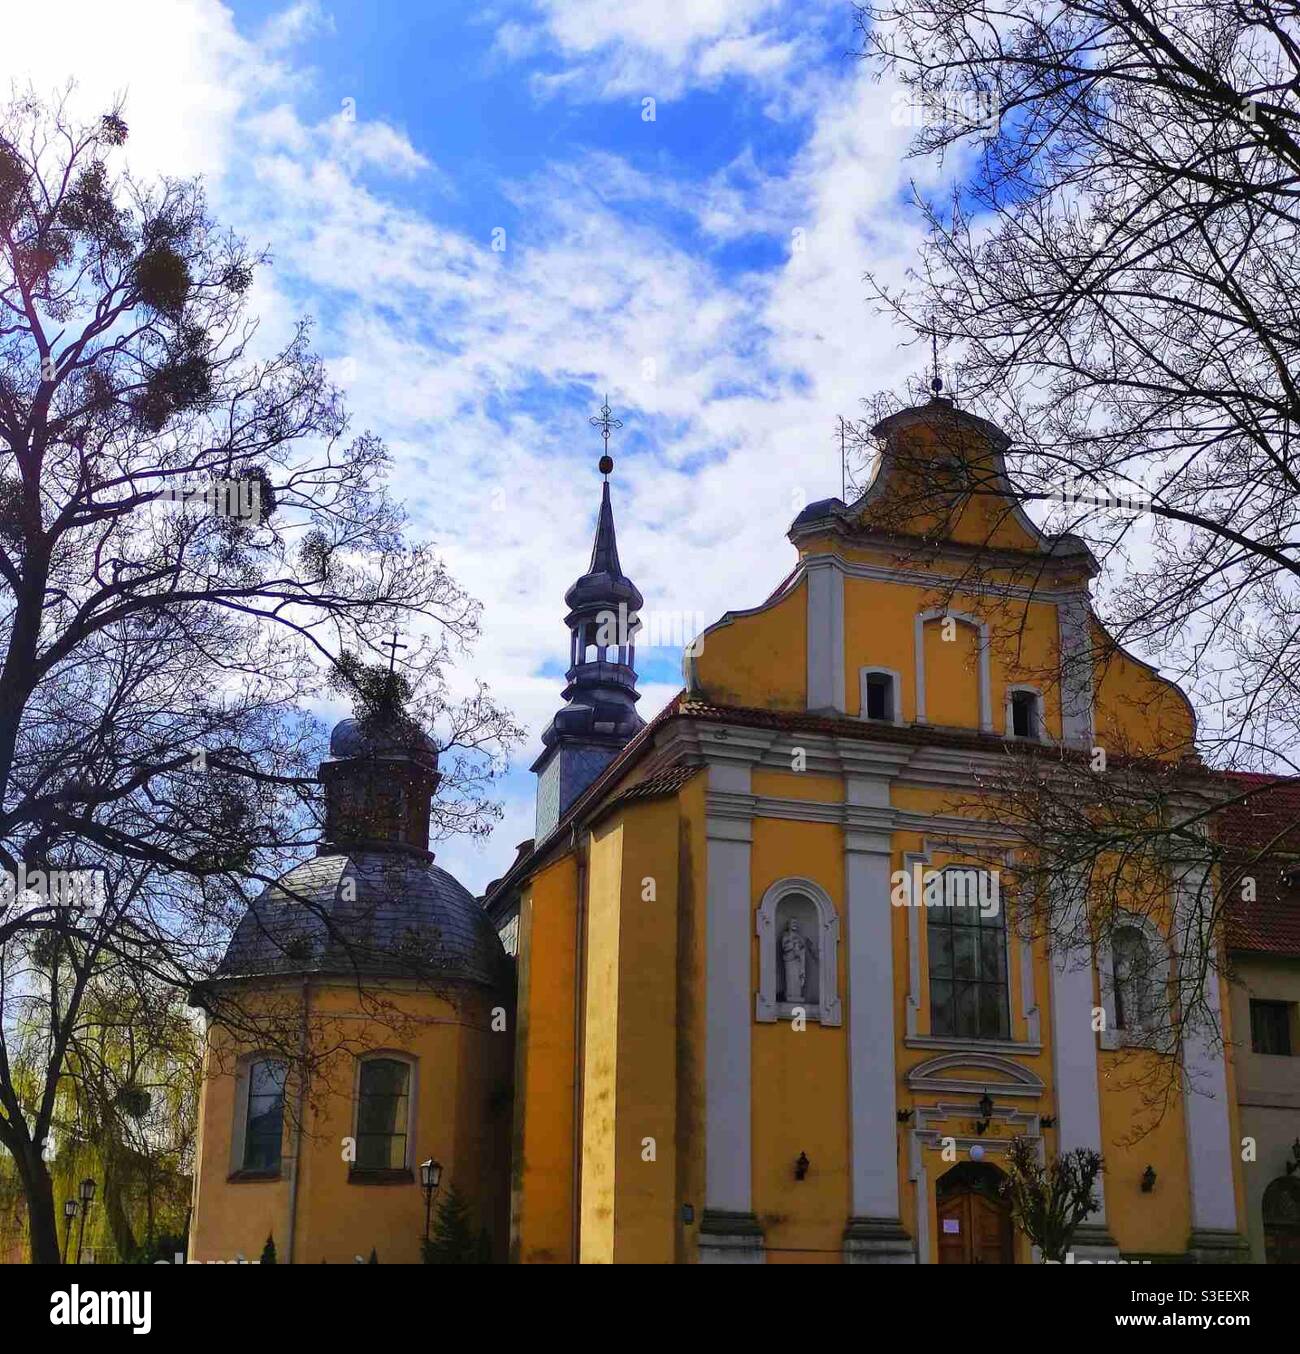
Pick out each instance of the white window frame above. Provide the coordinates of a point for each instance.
(412, 1091)
(897, 692)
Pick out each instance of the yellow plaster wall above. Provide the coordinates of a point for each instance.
(543, 1176)
(951, 675)
(462, 1085)
(800, 1083)
(645, 1210)
(747, 660)
(1135, 710)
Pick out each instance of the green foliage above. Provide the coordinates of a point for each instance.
(453, 1240)
(112, 129)
(268, 1251)
(379, 695)
(1048, 1204)
(166, 1246)
(162, 279)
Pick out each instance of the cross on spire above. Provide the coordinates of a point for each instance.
(936, 381)
(392, 646)
(607, 423)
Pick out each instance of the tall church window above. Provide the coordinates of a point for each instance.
(264, 1122)
(968, 964)
(383, 1114)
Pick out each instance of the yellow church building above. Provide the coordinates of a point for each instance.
(733, 1047)
(732, 1040)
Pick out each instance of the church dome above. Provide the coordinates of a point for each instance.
(369, 912)
(353, 738)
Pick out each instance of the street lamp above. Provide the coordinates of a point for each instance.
(430, 1175)
(87, 1192)
(69, 1212)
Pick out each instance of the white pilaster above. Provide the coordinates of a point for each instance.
(874, 1234)
(728, 1233)
(1205, 1088)
(825, 637)
(1076, 670)
(871, 1026)
(1078, 1098)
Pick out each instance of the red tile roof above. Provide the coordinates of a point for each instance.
(1261, 829)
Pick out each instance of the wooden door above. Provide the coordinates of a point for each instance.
(974, 1230)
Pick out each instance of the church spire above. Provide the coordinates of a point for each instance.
(599, 716)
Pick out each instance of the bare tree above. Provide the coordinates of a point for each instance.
(1113, 281)
(192, 545)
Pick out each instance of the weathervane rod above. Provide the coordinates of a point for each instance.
(606, 422)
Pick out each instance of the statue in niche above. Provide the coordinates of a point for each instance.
(794, 957)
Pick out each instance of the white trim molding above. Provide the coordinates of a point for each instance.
(1007, 1077)
(985, 681)
(826, 1009)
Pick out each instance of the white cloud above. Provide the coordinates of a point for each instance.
(445, 345)
(662, 47)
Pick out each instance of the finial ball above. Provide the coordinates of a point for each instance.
(606, 464)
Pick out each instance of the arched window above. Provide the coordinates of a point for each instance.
(880, 696)
(383, 1114)
(264, 1115)
(967, 945)
(1281, 1208)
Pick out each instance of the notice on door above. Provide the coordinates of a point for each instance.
(952, 1225)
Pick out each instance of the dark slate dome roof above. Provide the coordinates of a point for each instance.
(409, 918)
(353, 739)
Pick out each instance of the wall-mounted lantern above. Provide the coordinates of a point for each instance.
(986, 1113)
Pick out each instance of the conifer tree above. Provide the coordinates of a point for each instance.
(454, 1241)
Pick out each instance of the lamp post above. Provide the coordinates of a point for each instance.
(69, 1212)
(430, 1175)
(87, 1192)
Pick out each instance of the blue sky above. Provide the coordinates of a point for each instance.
(704, 266)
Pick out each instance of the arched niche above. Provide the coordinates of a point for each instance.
(982, 649)
(798, 938)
